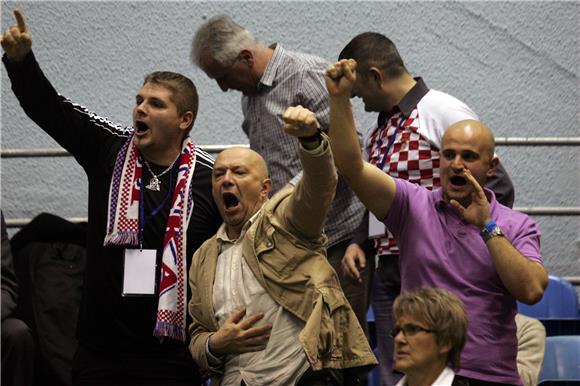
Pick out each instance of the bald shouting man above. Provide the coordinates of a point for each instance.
(267, 306)
(457, 237)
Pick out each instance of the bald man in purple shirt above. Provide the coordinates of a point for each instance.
(457, 237)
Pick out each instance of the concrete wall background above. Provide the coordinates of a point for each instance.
(515, 63)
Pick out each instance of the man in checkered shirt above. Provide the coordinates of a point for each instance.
(405, 143)
(270, 79)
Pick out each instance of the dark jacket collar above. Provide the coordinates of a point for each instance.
(408, 103)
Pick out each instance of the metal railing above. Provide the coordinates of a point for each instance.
(60, 152)
(574, 280)
(538, 211)
(500, 141)
(537, 141)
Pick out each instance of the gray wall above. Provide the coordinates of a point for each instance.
(514, 63)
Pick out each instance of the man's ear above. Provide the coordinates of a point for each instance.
(266, 187)
(247, 57)
(376, 76)
(186, 121)
(492, 165)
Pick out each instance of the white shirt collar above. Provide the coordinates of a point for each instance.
(222, 234)
(444, 379)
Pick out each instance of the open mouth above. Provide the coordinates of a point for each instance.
(230, 200)
(141, 127)
(458, 180)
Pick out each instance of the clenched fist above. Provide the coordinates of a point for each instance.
(340, 77)
(300, 122)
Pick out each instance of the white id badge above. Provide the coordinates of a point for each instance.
(139, 272)
(376, 228)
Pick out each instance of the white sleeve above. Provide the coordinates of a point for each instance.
(437, 111)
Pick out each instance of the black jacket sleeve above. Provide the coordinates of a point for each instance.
(81, 132)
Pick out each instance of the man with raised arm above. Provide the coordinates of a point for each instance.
(150, 208)
(272, 78)
(404, 143)
(267, 306)
(457, 237)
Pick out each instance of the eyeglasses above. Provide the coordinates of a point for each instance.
(408, 329)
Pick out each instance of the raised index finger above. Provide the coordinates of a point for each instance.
(20, 20)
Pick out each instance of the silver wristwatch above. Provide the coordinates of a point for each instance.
(491, 230)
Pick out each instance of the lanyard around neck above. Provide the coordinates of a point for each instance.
(143, 220)
(381, 164)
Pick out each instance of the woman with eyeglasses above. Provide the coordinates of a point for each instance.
(429, 333)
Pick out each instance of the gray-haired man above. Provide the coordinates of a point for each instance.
(270, 79)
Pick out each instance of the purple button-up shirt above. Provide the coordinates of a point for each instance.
(439, 249)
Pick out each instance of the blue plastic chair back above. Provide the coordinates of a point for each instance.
(374, 377)
(372, 328)
(370, 315)
(560, 301)
(561, 360)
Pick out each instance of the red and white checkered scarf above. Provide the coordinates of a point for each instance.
(123, 229)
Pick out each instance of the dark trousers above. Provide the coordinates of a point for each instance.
(17, 353)
(386, 287)
(325, 377)
(92, 367)
(357, 294)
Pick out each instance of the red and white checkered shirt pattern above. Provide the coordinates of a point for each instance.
(411, 157)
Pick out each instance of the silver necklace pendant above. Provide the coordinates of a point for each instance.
(154, 184)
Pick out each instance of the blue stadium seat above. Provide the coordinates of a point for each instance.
(370, 315)
(374, 377)
(560, 301)
(561, 361)
(372, 328)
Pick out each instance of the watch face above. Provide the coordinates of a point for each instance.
(496, 231)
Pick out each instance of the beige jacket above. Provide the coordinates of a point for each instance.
(531, 346)
(285, 249)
